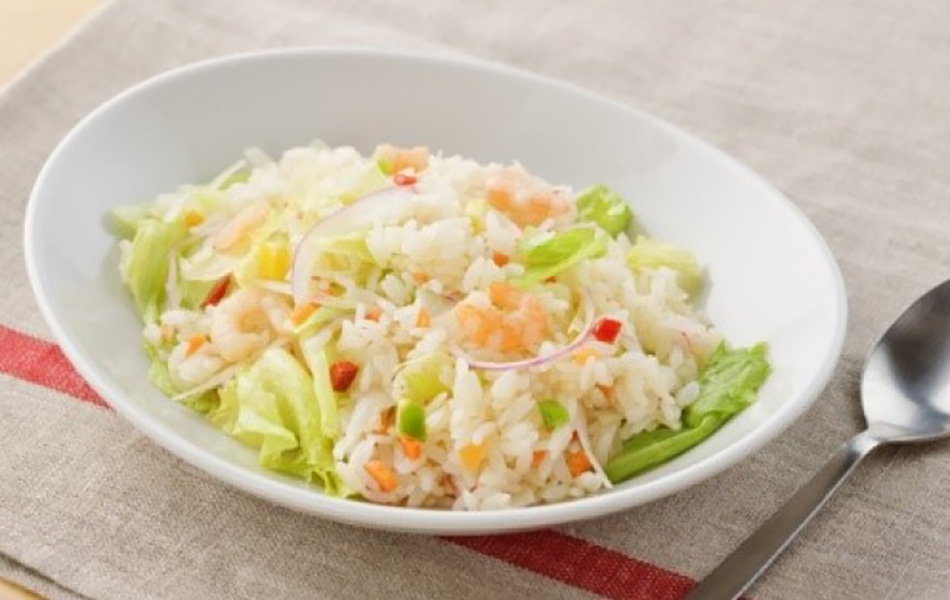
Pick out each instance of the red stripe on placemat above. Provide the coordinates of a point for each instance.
(581, 564)
(561, 557)
(37, 361)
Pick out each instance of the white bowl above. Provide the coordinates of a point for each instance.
(772, 275)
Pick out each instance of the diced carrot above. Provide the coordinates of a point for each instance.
(374, 313)
(302, 312)
(192, 218)
(551, 279)
(423, 320)
(420, 277)
(217, 292)
(504, 295)
(538, 457)
(582, 355)
(410, 447)
(578, 463)
(472, 456)
(383, 475)
(500, 258)
(342, 374)
(194, 343)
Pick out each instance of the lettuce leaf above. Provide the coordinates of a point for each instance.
(145, 265)
(727, 385)
(272, 407)
(651, 254)
(319, 366)
(549, 257)
(604, 207)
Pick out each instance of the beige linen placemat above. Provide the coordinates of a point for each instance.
(844, 105)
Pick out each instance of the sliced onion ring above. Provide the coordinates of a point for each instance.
(383, 206)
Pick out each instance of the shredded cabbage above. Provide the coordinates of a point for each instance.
(651, 254)
(600, 205)
(272, 406)
(144, 266)
(552, 255)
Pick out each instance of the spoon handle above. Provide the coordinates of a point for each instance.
(737, 572)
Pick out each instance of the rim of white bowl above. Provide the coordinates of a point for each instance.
(421, 520)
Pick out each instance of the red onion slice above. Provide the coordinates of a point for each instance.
(383, 206)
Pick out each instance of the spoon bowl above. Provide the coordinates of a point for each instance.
(905, 389)
(905, 396)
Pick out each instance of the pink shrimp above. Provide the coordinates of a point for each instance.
(525, 199)
(516, 323)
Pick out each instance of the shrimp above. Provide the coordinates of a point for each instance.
(525, 199)
(246, 322)
(249, 218)
(516, 323)
(400, 159)
(189, 369)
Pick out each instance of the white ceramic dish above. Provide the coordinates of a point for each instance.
(772, 276)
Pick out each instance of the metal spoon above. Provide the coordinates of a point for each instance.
(905, 394)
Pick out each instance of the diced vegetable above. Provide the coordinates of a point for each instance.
(607, 329)
(342, 374)
(410, 447)
(578, 462)
(273, 260)
(217, 293)
(651, 254)
(384, 476)
(411, 420)
(557, 253)
(424, 319)
(727, 385)
(500, 259)
(472, 456)
(537, 457)
(600, 205)
(194, 343)
(553, 414)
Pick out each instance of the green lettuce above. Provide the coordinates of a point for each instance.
(319, 366)
(272, 407)
(145, 265)
(551, 256)
(728, 384)
(600, 205)
(651, 254)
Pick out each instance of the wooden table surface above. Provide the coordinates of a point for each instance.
(28, 28)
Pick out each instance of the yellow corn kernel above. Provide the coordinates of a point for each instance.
(472, 456)
(192, 218)
(273, 261)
